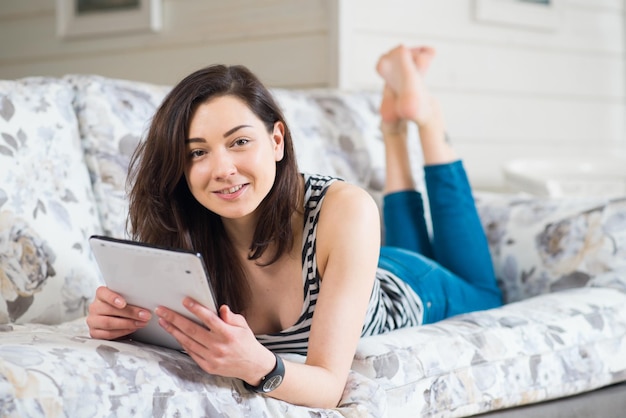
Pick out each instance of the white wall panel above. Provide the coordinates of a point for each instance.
(498, 68)
(581, 28)
(492, 118)
(507, 91)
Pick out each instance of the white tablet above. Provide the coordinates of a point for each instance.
(148, 276)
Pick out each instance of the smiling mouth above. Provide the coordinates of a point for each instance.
(231, 190)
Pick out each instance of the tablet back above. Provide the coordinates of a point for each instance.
(148, 276)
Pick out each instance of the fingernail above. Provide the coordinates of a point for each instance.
(144, 315)
(189, 303)
(118, 302)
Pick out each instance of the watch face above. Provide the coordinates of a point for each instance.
(272, 383)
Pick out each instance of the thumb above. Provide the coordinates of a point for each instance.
(232, 318)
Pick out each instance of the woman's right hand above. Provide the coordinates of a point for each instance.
(110, 317)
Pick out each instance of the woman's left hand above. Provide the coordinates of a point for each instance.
(224, 346)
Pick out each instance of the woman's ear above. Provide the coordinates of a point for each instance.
(278, 137)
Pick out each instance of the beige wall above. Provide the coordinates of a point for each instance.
(509, 90)
(284, 41)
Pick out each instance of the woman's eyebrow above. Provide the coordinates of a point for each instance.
(235, 129)
(226, 134)
(192, 140)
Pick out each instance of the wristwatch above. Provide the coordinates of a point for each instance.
(272, 380)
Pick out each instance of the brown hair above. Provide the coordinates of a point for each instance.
(163, 211)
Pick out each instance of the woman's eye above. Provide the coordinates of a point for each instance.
(241, 141)
(196, 153)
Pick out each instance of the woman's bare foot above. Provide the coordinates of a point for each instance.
(405, 96)
(387, 109)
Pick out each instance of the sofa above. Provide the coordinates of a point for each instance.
(65, 144)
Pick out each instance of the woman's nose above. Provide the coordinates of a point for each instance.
(223, 165)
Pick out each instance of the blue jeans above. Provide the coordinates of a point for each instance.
(452, 272)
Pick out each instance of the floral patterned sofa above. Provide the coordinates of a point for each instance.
(64, 147)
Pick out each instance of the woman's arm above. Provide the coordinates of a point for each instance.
(348, 244)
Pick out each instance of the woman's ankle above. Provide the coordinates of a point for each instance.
(396, 128)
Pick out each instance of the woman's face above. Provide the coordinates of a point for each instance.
(231, 158)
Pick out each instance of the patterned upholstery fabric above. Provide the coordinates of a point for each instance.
(550, 346)
(61, 372)
(113, 116)
(47, 209)
(560, 264)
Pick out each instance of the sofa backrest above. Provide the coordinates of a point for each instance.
(541, 245)
(113, 116)
(538, 245)
(334, 133)
(47, 208)
(65, 146)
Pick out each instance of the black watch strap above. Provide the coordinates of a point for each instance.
(272, 380)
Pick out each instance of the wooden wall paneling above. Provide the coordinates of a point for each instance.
(338, 48)
(189, 25)
(507, 91)
(485, 162)
(615, 5)
(502, 118)
(190, 22)
(581, 29)
(497, 68)
(167, 66)
(11, 9)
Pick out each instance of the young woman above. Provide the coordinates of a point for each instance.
(295, 259)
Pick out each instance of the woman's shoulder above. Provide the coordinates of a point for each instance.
(345, 199)
(317, 180)
(334, 186)
(341, 199)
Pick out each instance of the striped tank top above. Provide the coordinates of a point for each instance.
(393, 304)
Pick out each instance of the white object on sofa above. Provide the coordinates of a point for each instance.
(573, 177)
(561, 264)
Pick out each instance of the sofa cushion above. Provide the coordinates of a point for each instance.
(114, 115)
(337, 133)
(47, 209)
(542, 348)
(59, 371)
(541, 245)
(331, 132)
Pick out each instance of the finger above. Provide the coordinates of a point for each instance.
(106, 327)
(191, 336)
(105, 294)
(107, 322)
(106, 334)
(232, 318)
(209, 318)
(109, 335)
(99, 308)
(174, 320)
